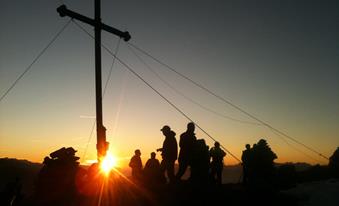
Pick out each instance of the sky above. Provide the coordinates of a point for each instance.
(277, 60)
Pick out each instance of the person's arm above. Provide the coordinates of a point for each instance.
(140, 163)
(131, 162)
(223, 153)
(181, 141)
(147, 165)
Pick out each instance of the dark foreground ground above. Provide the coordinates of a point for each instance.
(182, 193)
(226, 194)
(121, 191)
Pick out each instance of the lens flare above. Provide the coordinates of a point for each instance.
(108, 163)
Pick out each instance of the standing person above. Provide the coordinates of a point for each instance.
(246, 164)
(136, 165)
(152, 163)
(152, 170)
(217, 155)
(262, 162)
(169, 152)
(186, 143)
(200, 163)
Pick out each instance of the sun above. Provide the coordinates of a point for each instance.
(108, 163)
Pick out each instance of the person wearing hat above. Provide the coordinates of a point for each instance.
(169, 152)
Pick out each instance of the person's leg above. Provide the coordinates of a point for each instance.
(219, 174)
(163, 170)
(182, 168)
(213, 173)
(245, 176)
(170, 171)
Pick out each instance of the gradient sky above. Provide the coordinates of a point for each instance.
(278, 60)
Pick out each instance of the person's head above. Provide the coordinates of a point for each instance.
(248, 146)
(153, 155)
(190, 127)
(165, 129)
(47, 160)
(262, 142)
(217, 144)
(70, 150)
(137, 152)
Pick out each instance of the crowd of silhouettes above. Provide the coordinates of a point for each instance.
(61, 181)
(205, 165)
(258, 163)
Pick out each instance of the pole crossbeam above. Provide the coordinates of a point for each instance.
(63, 11)
(102, 144)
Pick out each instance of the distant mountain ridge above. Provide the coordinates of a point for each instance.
(299, 166)
(26, 171)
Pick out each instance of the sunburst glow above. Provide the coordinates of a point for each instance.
(108, 163)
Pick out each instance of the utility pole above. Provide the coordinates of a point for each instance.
(102, 144)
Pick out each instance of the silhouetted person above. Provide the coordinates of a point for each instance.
(200, 163)
(334, 163)
(263, 163)
(136, 165)
(169, 152)
(152, 163)
(186, 143)
(217, 155)
(152, 171)
(56, 180)
(246, 163)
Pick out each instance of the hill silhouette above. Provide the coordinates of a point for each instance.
(26, 171)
